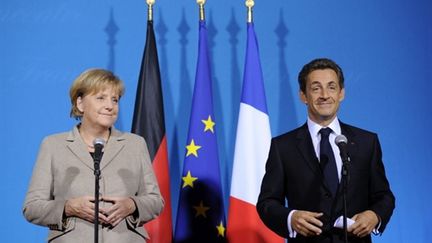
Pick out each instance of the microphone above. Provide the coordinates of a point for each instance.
(98, 144)
(341, 141)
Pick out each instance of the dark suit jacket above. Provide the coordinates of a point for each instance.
(293, 173)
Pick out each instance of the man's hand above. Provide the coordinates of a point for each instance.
(306, 223)
(365, 222)
(121, 208)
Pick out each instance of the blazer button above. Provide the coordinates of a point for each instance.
(327, 195)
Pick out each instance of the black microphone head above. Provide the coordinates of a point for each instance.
(341, 139)
(98, 144)
(98, 141)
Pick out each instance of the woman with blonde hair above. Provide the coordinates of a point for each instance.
(61, 191)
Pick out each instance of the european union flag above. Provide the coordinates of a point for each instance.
(200, 215)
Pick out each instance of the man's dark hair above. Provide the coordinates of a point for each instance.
(319, 64)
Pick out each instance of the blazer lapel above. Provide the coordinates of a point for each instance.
(113, 147)
(78, 148)
(352, 147)
(307, 150)
(352, 150)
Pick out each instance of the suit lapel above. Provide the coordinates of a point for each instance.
(112, 148)
(78, 148)
(114, 145)
(351, 148)
(352, 141)
(306, 148)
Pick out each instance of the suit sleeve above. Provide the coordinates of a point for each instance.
(271, 201)
(40, 206)
(148, 199)
(381, 198)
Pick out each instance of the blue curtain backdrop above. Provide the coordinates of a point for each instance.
(384, 47)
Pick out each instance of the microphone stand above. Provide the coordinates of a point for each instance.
(97, 173)
(345, 163)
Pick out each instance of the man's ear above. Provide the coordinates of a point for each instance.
(303, 97)
(342, 94)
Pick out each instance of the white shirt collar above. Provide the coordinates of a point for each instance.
(314, 127)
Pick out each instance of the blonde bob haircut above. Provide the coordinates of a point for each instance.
(92, 81)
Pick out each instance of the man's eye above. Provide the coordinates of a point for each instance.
(115, 100)
(333, 87)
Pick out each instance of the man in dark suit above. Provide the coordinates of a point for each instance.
(304, 168)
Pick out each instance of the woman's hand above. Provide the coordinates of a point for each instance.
(82, 207)
(121, 208)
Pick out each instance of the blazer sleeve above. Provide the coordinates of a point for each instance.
(40, 207)
(381, 197)
(271, 201)
(148, 199)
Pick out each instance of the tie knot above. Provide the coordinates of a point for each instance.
(325, 132)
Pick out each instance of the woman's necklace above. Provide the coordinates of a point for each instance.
(90, 146)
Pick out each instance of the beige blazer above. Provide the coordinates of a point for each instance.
(64, 169)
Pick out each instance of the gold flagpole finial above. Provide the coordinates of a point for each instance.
(150, 4)
(201, 9)
(249, 4)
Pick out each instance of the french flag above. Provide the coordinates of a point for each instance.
(251, 150)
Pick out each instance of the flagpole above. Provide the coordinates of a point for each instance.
(150, 4)
(201, 9)
(249, 4)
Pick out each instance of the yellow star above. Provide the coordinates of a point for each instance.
(192, 149)
(221, 229)
(188, 180)
(201, 210)
(209, 124)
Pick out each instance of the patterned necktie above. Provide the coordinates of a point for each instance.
(328, 162)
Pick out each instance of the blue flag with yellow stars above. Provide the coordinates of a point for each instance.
(200, 215)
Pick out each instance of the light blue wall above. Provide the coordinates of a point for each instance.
(384, 47)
